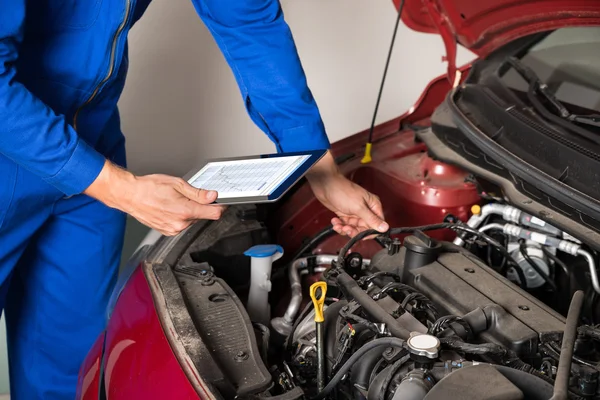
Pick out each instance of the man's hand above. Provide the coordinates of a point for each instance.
(161, 202)
(356, 208)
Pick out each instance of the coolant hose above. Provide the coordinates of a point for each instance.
(381, 342)
(413, 387)
(283, 325)
(352, 290)
(561, 383)
(361, 372)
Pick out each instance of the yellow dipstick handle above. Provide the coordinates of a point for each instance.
(367, 157)
(320, 301)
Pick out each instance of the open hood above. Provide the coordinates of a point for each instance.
(484, 25)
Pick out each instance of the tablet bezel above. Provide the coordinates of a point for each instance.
(282, 189)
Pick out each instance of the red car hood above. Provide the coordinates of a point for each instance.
(484, 25)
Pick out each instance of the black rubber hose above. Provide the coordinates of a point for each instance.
(445, 225)
(386, 382)
(361, 371)
(313, 242)
(381, 342)
(556, 260)
(561, 383)
(352, 290)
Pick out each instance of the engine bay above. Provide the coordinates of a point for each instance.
(490, 314)
(485, 288)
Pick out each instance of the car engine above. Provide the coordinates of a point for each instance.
(504, 311)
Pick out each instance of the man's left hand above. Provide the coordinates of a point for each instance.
(356, 209)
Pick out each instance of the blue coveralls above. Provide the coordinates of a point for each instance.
(62, 68)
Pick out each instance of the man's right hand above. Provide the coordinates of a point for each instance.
(161, 202)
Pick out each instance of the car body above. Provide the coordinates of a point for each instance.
(147, 350)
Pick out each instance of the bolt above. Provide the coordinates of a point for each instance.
(470, 270)
(524, 308)
(389, 351)
(241, 356)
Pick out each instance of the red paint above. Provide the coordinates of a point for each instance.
(139, 362)
(485, 25)
(413, 188)
(89, 374)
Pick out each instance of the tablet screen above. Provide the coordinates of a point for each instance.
(247, 178)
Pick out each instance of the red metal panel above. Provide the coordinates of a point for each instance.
(89, 374)
(483, 26)
(414, 190)
(139, 362)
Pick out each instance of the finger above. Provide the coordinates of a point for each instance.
(351, 231)
(371, 219)
(200, 196)
(336, 221)
(212, 212)
(376, 206)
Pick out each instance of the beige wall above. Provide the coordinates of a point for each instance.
(181, 102)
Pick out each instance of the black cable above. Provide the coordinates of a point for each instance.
(441, 323)
(313, 242)
(561, 383)
(393, 286)
(371, 232)
(444, 225)
(381, 342)
(387, 65)
(556, 260)
(545, 277)
(365, 280)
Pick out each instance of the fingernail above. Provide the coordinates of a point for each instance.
(383, 227)
(211, 194)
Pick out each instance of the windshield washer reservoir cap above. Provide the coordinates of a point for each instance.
(423, 345)
(263, 250)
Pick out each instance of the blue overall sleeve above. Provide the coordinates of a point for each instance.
(31, 133)
(259, 47)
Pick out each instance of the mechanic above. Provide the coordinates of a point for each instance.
(64, 189)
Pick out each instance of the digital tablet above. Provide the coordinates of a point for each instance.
(253, 179)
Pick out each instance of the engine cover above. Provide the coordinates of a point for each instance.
(460, 284)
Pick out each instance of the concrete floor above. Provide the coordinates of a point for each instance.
(134, 234)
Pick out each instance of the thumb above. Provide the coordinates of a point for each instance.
(200, 196)
(372, 220)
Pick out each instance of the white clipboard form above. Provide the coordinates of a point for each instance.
(255, 179)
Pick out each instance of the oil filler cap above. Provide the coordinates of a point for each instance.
(423, 345)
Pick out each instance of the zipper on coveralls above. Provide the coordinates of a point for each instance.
(111, 67)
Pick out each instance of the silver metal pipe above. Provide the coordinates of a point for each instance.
(489, 227)
(592, 266)
(283, 325)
